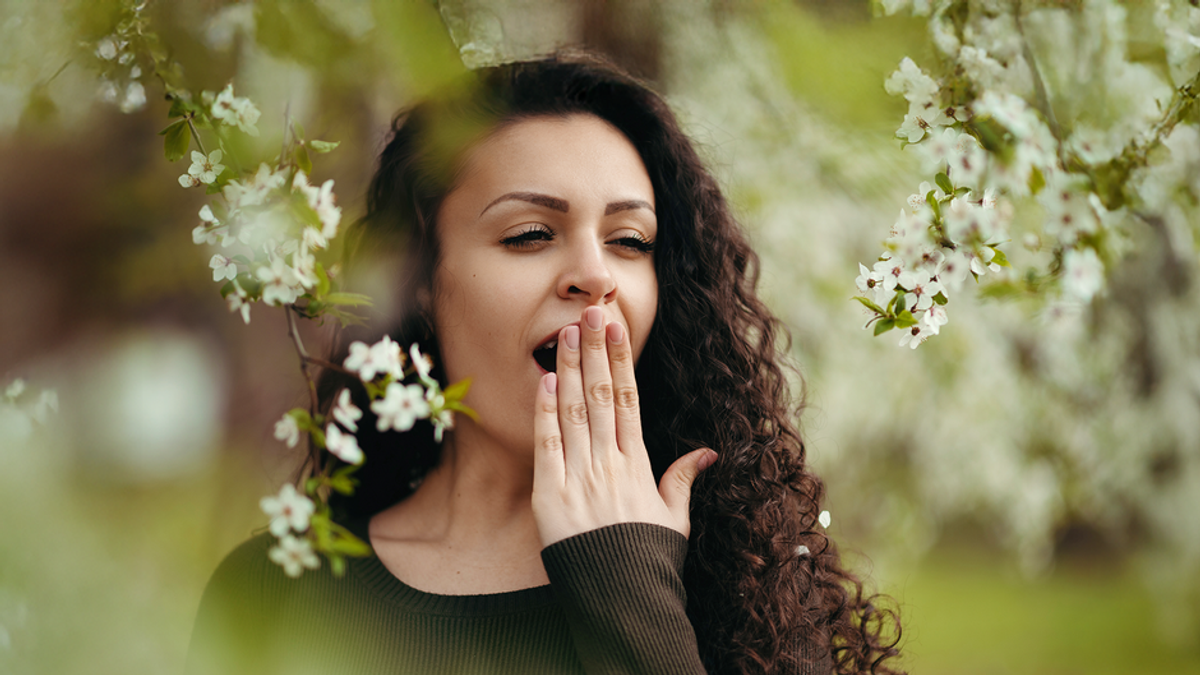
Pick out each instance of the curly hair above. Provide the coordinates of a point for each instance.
(715, 360)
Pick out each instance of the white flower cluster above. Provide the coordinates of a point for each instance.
(997, 140)
(19, 411)
(268, 239)
(120, 82)
(382, 367)
(401, 405)
(290, 511)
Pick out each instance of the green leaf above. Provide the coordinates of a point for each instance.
(1000, 259)
(322, 280)
(457, 391)
(870, 305)
(940, 299)
(943, 181)
(1036, 181)
(900, 301)
(349, 299)
(905, 320)
(343, 484)
(298, 129)
(337, 565)
(176, 141)
(322, 146)
(883, 326)
(457, 406)
(932, 201)
(302, 159)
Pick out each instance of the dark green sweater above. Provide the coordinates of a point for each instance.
(615, 604)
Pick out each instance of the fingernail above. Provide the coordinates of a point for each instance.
(594, 318)
(550, 382)
(571, 337)
(616, 333)
(707, 460)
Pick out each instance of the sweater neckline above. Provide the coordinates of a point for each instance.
(372, 573)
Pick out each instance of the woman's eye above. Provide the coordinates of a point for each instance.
(634, 244)
(528, 238)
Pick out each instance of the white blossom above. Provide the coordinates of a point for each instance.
(286, 429)
(289, 510)
(322, 201)
(824, 519)
(934, 318)
(423, 364)
(106, 48)
(914, 336)
(238, 304)
(400, 407)
(294, 554)
(135, 97)
(46, 404)
(802, 550)
(343, 445)
(346, 413)
(1082, 274)
(236, 111)
(206, 168)
(383, 357)
(279, 283)
(223, 268)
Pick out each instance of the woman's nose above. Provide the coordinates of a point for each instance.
(587, 274)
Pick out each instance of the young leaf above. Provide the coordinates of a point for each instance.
(302, 159)
(350, 299)
(870, 305)
(176, 140)
(322, 146)
(933, 205)
(905, 320)
(883, 326)
(940, 299)
(458, 390)
(943, 181)
(1000, 259)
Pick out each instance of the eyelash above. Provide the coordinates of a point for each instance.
(532, 236)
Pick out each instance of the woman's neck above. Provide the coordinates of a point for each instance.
(469, 527)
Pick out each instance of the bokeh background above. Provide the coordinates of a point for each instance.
(1026, 485)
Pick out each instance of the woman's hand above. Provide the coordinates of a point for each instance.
(591, 467)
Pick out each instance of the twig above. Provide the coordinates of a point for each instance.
(195, 134)
(294, 333)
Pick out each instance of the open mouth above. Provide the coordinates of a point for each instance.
(546, 355)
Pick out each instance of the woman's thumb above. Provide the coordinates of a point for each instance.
(675, 488)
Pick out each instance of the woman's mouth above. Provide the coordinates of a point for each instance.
(546, 355)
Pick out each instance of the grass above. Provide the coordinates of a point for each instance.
(965, 612)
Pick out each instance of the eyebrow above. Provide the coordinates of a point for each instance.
(563, 205)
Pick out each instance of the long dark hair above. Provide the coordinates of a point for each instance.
(714, 361)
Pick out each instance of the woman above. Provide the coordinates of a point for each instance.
(565, 248)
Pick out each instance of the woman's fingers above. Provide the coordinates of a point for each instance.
(548, 442)
(574, 417)
(675, 488)
(626, 409)
(597, 384)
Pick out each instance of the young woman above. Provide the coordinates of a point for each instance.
(633, 497)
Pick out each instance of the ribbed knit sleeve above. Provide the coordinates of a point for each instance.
(624, 600)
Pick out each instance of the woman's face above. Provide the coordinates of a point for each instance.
(551, 215)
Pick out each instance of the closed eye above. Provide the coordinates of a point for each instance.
(529, 238)
(638, 244)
